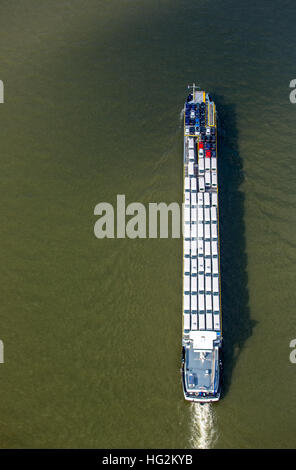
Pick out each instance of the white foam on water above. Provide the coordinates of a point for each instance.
(182, 114)
(204, 431)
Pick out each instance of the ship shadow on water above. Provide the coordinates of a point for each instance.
(236, 322)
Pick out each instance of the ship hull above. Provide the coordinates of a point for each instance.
(202, 315)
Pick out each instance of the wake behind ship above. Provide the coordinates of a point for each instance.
(202, 322)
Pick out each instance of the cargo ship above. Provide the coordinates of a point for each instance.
(202, 317)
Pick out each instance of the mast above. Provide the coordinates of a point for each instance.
(193, 86)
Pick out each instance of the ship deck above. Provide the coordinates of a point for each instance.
(202, 318)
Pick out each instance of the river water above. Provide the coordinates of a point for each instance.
(92, 328)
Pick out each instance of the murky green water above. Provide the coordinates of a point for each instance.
(92, 328)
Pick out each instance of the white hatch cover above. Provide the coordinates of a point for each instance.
(203, 339)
